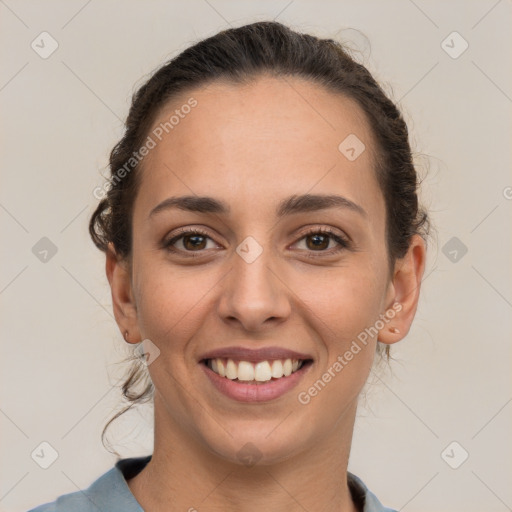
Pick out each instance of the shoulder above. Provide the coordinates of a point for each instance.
(88, 500)
(72, 502)
(364, 499)
(47, 507)
(109, 492)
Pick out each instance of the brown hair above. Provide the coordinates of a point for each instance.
(239, 55)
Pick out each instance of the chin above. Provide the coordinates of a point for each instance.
(258, 442)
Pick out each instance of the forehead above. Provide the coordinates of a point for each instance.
(251, 144)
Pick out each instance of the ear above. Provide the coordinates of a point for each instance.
(125, 309)
(404, 292)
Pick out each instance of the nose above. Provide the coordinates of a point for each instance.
(253, 295)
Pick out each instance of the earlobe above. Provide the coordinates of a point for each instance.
(123, 302)
(406, 286)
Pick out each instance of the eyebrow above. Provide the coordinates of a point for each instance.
(291, 205)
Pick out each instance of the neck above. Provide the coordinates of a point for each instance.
(183, 475)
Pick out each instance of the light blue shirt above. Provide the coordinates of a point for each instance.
(110, 493)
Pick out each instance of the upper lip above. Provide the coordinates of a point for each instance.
(254, 355)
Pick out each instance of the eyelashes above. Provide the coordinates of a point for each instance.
(185, 233)
(322, 234)
(325, 233)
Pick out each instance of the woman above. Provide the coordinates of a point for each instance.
(264, 241)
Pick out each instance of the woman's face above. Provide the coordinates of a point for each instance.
(259, 275)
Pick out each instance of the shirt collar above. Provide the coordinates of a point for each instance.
(112, 487)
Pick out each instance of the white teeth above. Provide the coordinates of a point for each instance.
(245, 371)
(261, 371)
(231, 370)
(277, 369)
(221, 370)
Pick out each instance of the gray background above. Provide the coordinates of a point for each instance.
(60, 345)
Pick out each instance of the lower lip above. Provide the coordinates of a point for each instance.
(261, 392)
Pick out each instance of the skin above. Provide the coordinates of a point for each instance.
(252, 146)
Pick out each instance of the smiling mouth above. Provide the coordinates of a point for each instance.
(255, 372)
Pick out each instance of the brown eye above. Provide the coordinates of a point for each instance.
(318, 240)
(190, 240)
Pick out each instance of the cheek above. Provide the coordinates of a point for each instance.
(345, 301)
(342, 310)
(169, 303)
